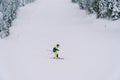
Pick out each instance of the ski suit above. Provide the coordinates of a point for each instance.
(55, 51)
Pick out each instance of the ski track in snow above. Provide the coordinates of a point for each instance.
(90, 46)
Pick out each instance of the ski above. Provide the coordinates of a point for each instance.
(58, 58)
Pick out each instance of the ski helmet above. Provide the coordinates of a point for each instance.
(57, 45)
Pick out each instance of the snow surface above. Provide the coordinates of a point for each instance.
(90, 47)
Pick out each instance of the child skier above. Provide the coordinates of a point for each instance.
(55, 51)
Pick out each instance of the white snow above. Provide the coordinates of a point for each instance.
(90, 47)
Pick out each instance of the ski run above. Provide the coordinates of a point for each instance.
(90, 47)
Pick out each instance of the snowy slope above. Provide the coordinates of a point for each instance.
(90, 47)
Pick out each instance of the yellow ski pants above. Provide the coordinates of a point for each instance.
(56, 54)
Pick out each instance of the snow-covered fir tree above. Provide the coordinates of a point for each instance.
(74, 1)
(83, 4)
(102, 8)
(115, 10)
(102, 12)
(8, 10)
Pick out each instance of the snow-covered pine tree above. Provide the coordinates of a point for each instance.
(115, 10)
(82, 4)
(89, 7)
(24, 2)
(103, 8)
(109, 8)
(8, 10)
(74, 1)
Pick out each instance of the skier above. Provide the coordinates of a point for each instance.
(55, 51)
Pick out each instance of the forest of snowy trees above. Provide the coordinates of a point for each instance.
(8, 10)
(109, 9)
